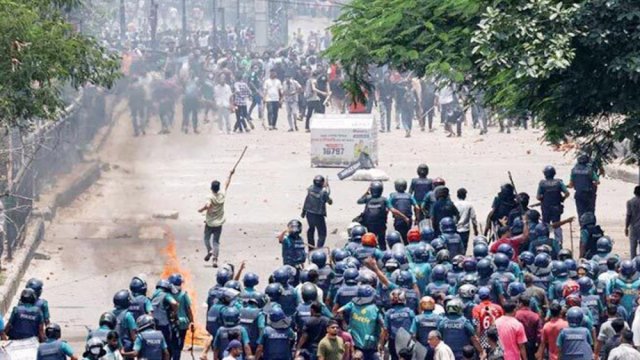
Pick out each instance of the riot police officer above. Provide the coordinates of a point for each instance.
(420, 186)
(575, 341)
(26, 319)
(315, 210)
(185, 316)
(277, 339)
(125, 323)
(374, 216)
(585, 181)
(165, 308)
(293, 246)
(37, 285)
(106, 324)
(53, 348)
(402, 205)
(140, 303)
(150, 343)
(552, 193)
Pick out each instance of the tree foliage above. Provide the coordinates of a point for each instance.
(574, 64)
(40, 54)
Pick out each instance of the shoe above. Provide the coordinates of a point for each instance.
(208, 257)
(215, 263)
(196, 131)
(307, 130)
(290, 130)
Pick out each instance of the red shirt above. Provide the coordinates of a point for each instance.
(514, 242)
(550, 333)
(532, 323)
(485, 314)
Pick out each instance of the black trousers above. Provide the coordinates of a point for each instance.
(241, 116)
(316, 222)
(272, 112)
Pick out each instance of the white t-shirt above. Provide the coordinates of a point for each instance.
(272, 89)
(222, 95)
(445, 95)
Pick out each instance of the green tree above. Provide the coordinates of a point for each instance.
(41, 54)
(574, 64)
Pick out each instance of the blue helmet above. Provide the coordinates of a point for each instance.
(559, 269)
(230, 316)
(276, 314)
(439, 273)
(357, 232)
(259, 298)
(339, 255)
(274, 291)
(542, 260)
(484, 293)
(393, 237)
(541, 230)
(138, 286)
(176, 279)
(319, 258)
(480, 251)
(501, 261)
(164, 285)
(549, 172)
(627, 268)
(352, 262)
(587, 218)
(517, 227)
(527, 258)
(457, 262)
(604, 245)
(304, 276)
(233, 284)
(484, 268)
(470, 265)
(340, 268)
(575, 316)
(564, 254)
(506, 249)
(250, 280)
(368, 278)
(572, 267)
(421, 254)
(515, 288)
(121, 299)
(438, 244)
(366, 294)
(405, 279)
(36, 285)
(281, 275)
(427, 234)
(223, 276)
(447, 225)
(351, 276)
(401, 257)
(586, 284)
(480, 239)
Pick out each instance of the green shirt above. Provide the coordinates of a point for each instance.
(365, 323)
(184, 303)
(331, 349)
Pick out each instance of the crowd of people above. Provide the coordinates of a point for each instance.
(432, 288)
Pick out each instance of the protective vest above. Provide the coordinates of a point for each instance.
(505, 206)
(452, 277)
(375, 212)
(504, 278)
(454, 334)
(575, 345)
(288, 301)
(592, 303)
(100, 334)
(421, 186)
(137, 306)
(551, 194)
(224, 333)
(324, 278)
(25, 322)
(303, 313)
(402, 202)
(542, 281)
(249, 321)
(120, 323)
(214, 321)
(426, 323)
(595, 232)
(454, 244)
(433, 288)
(412, 299)
(51, 351)
(582, 177)
(276, 344)
(151, 348)
(399, 318)
(345, 294)
(352, 248)
(294, 253)
(556, 288)
(314, 202)
(160, 313)
(364, 252)
(214, 295)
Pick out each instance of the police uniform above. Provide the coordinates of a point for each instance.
(315, 210)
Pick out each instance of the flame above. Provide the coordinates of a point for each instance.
(200, 337)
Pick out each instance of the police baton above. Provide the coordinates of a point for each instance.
(571, 235)
(516, 193)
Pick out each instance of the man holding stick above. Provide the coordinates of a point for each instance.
(214, 219)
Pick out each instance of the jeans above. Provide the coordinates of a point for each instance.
(312, 106)
(407, 119)
(189, 110)
(214, 245)
(385, 118)
(223, 119)
(316, 221)
(634, 240)
(241, 116)
(464, 235)
(257, 101)
(272, 112)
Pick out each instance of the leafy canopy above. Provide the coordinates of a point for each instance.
(40, 53)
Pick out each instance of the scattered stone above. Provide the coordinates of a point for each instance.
(173, 215)
(41, 256)
(123, 236)
(334, 231)
(106, 167)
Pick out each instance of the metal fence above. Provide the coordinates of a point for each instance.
(30, 162)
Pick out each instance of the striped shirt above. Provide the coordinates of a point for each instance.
(241, 93)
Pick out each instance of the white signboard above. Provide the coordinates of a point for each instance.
(337, 140)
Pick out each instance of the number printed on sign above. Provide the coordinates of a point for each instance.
(333, 151)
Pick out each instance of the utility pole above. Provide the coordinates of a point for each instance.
(214, 26)
(238, 13)
(184, 20)
(153, 22)
(262, 24)
(123, 20)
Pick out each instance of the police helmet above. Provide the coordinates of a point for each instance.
(281, 275)
(549, 171)
(94, 348)
(28, 296)
(109, 320)
(627, 268)
(398, 297)
(295, 227)
(319, 257)
(439, 273)
(480, 239)
(438, 182)
(53, 331)
(393, 237)
(575, 316)
(366, 295)
(443, 256)
(559, 269)
(485, 269)
(351, 276)
(357, 232)
(144, 322)
(413, 235)
(526, 258)
(604, 245)
(230, 316)
(176, 279)
(405, 279)
(583, 159)
(309, 292)
(564, 254)
(277, 315)
(423, 170)
(541, 230)
(447, 225)
(421, 254)
(484, 293)
(470, 264)
(122, 299)
(480, 251)
(233, 284)
(587, 218)
(467, 291)
(454, 307)
(273, 291)
(586, 284)
(318, 180)
(138, 286)
(376, 188)
(438, 244)
(542, 260)
(427, 234)
(222, 276)
(369, 239)
(506, 249)
(515, 288)
(36, 285)
(501, 261)
(338, 255)
(400, 185)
